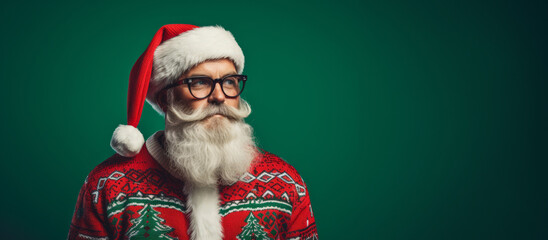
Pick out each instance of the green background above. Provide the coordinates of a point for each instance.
(406, 119)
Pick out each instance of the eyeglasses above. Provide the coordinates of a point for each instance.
(201, 87)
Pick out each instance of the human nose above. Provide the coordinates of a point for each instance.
(217, 96)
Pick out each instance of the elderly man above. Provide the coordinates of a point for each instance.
(202, 177)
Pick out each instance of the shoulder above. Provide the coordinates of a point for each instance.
(270, 166)
(115, 163)
(270, 161)
(118, 167)
(120, 177)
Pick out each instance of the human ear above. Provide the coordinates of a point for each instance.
(161, 99)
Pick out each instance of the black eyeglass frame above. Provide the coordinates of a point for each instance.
(188, 81)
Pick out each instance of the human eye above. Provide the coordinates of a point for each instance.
(200, 82)
(230, 82)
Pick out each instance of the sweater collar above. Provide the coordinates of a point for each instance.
(155, 146)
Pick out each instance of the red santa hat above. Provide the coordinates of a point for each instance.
(174, 49)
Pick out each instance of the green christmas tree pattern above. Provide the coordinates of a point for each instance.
(149, 226)
(253, 230)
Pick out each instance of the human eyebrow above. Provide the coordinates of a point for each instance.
(198, 75)
(205, 75)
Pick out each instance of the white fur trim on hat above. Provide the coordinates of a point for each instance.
(179, 54)
(127, 140)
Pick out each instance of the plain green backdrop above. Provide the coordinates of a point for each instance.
(406, 119)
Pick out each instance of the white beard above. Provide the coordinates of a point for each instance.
(206, 153)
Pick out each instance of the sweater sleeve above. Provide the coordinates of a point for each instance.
(303, 224)
(89, 219)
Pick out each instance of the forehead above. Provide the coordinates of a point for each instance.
(214, 66)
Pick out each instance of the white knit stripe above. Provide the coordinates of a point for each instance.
(91, 238)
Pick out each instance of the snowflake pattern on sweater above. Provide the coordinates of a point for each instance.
(136, 198)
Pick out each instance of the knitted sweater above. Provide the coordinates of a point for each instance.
(137, 198)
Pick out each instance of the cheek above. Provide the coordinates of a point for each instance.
(196, 104)
(233, 102)
(182, 93)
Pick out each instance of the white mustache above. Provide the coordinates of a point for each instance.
(179, 114)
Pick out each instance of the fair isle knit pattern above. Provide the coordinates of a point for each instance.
(136, 198)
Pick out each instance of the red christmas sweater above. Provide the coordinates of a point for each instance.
(136, 198)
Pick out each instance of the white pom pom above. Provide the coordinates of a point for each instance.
(127, 140)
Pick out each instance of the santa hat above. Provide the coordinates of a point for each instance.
(174, 49)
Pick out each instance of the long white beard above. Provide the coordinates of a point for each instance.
(218, 152)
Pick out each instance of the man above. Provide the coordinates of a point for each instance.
(202, 177)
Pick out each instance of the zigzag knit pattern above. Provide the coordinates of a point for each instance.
(135, 198)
